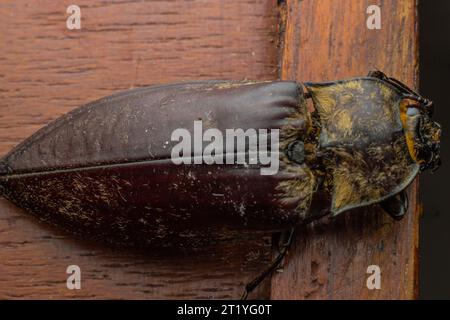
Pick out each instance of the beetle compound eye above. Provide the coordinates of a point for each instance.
(411, 112)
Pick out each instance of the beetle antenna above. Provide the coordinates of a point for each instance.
(252, 285)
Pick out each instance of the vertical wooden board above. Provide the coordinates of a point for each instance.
(328, 40)
(47, 70)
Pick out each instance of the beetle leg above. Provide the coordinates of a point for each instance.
(252, 285)
(396, 206)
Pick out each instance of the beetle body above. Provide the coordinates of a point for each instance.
(107, 170)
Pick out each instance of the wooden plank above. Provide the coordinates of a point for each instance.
(47, 70)
(328, 40)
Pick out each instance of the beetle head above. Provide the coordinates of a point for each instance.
(422, 134)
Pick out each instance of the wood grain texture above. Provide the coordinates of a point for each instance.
(47, 70)
(328, 40)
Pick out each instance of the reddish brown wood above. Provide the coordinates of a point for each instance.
(329, 40)
(47, 70)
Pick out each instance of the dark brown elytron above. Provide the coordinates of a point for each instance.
(106, 170)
